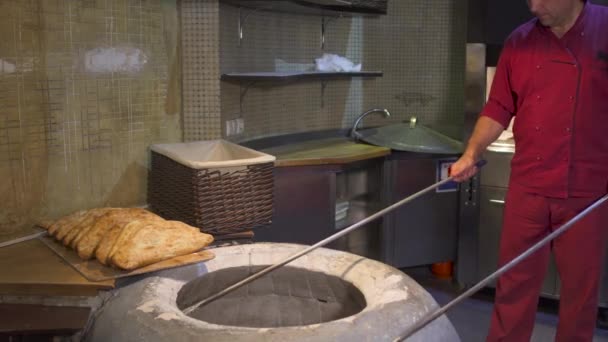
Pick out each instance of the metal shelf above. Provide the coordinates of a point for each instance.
(295, 76)
(327, 8)
(249, 79)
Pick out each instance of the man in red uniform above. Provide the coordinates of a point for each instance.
(552, 78)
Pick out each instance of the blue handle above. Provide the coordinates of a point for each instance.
(481, 163)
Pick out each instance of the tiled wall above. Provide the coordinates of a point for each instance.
(85, 87)
(419, 46)
(201, 69)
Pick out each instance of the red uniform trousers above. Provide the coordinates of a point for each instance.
(578, 254)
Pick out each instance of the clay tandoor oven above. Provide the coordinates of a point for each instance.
(326, 295)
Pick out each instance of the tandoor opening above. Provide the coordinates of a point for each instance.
(288, 296)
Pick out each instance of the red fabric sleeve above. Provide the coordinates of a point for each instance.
(501, 104)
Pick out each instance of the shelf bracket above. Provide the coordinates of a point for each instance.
(243, 15)
(243, 92)
(324, 22)
(323, 86)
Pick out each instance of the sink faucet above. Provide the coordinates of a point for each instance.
(353, 131)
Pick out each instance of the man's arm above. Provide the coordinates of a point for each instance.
(495, 116)
(485, 132)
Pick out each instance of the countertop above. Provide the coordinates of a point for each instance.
(324, 151)
(31, 268)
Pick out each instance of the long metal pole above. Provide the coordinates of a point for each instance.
(435, 314)
(321, 243)
(21, 239)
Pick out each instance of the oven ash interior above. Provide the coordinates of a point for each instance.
(289, 296)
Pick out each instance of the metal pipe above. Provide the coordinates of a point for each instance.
(353, 131)
(321, 243)
(434, 315)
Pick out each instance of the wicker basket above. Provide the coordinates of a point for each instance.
(220, 187)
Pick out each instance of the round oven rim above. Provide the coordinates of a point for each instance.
(397, 303)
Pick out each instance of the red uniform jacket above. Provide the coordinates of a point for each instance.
(557, 91)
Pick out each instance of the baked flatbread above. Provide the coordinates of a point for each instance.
(110, 240)
(152, 242)
(127, 237)
(127, 234)
(88, 242)
(106, 243)
(67, 222)
(91, 216)
(84, 230)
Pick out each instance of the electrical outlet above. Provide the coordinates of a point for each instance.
(234, 127)
(230, 127)
(240, 126)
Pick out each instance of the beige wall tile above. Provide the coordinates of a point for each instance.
(419, 45)
(74, 133)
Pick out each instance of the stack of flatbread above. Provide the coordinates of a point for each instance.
(127, 237)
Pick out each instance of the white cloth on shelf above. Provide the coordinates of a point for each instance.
(334, 63)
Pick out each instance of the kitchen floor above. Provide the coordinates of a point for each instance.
(471, 317)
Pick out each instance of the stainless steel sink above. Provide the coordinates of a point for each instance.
(411, 138)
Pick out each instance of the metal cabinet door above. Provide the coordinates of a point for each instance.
(303, 206)
(491, 205)
(497, 171)
(424, 231)
(359, 188)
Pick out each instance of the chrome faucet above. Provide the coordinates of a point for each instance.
(353, 131)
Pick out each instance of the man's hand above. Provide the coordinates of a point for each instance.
(463, 169)
(485, 132)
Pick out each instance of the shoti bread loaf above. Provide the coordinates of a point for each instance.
(116, 233)
(67, 222)
(90, 218)
(152, 242)
(127, 237)
(70, 220)
(82, 231)
(88, 243)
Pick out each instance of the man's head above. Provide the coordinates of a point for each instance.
(555, 13)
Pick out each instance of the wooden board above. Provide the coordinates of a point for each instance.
(324, 152)
(31, 268)
(93, 270)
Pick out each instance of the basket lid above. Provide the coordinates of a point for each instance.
(211, 154)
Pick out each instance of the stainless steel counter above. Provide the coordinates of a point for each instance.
(313, 201)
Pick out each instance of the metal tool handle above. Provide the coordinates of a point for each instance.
(22, 239)
(435, 314)
(321, 243)
(481, 163)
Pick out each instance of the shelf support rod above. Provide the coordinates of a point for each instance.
(323, 86)
(324, 22)
(243, 92)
